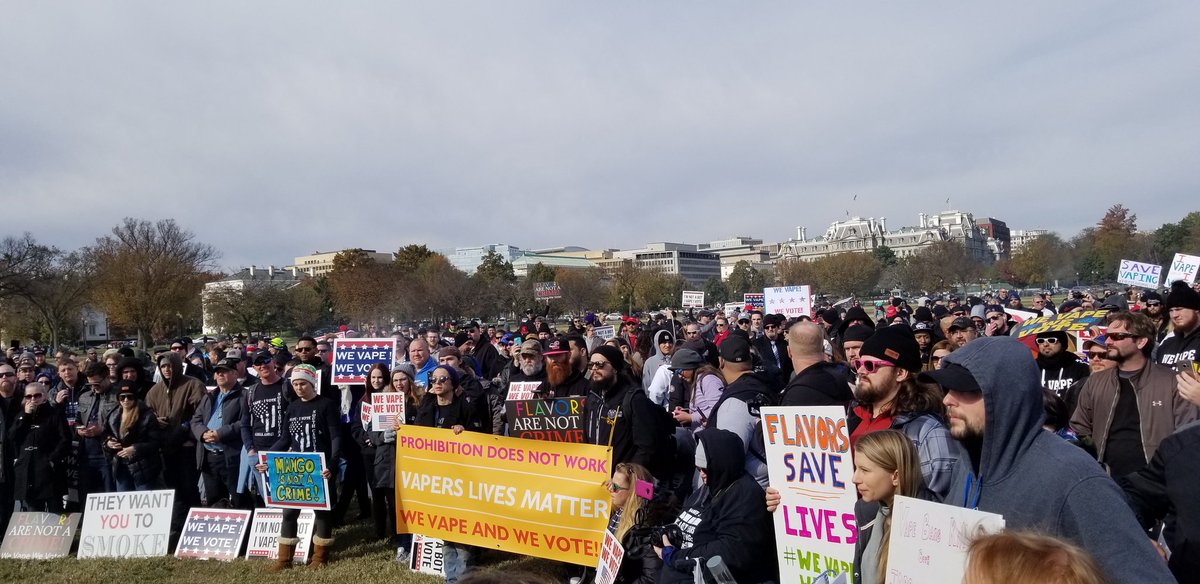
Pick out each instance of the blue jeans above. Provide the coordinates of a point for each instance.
(458, 560)
(96, 476)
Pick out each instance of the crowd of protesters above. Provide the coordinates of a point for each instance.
(1090, 452)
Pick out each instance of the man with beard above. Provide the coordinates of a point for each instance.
(961, 331)
(997, 321)
(1152, 307)
(579, 351)
(889, 397)
(266, 401)
(1181, 346)
(1033, 478)
(618, 414)
(562, 379)
(486, 356)
(1125, 412)
(174, 401)
(1062, 372)
(772, 348)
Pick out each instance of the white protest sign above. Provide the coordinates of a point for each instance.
(1138, 274)
(1183, 267)
(929, 540)
(522, 390)
(693, 299)
(605, 332)
(611, 555)
(427, 555)
(264, 534)
(132, 524)
(790, 301)
(385, 406)
(39, 536)
(212, 534)
(808, 460)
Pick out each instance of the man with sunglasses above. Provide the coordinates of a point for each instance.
(996, 323)
(773, 348)
(1062, 372)
(1125, 412)
(266, 401)
(1152, 307)
(888, 396)
(95, 404)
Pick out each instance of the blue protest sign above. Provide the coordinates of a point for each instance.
(353, 358)
(294, 480)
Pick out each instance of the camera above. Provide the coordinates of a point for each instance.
(672, 531)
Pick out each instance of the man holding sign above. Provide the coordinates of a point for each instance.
(310, 424)
(1033, 478)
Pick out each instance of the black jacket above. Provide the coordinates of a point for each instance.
(779, 372)
(471, 415)
(1064, 374)
(146, 437)
(40, 442)
(733, 522)
(640, 564)
(1168, 486)
(819, 384)
(636, 436)
(1176, 348)
(229, 435)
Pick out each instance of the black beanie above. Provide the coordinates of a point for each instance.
(923, 314)
(858, 333)
(1182, 296)
(613, 355)
(896, 344)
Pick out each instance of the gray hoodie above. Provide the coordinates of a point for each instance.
(1037, 480)
(656, 360)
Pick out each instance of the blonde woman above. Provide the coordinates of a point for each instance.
(633, 521)
(886, 464)
(1017, 558)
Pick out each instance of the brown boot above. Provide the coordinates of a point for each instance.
(321, 548)
(287, 551)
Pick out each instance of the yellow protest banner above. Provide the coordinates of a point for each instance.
(543, 499)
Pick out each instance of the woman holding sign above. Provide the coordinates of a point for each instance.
(443, 407)
(310, 424)
(886, 464)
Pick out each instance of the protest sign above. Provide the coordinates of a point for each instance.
(353, 358)
(808, 460)
(522, 390)
(1071, 322)
(542, 499)
(1138, 274)
(385, 406)
(1019, 315)
(546, 290)
(556, 420)
(755, 300)
(426, 556)
(294, 480)
(1183, 267)
(39, 536)
(264, 534)
(692, 299)
(790, 301)
(364, 414)
(611, 555)
(212, 534)
(132, 524)
(605, 332)
(929, 540)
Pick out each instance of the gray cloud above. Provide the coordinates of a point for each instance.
(274, 130)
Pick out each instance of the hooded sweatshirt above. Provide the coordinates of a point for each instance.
(725, 517)
(175, 402)
(1037, 480)
(1063, 374)
(655, 361)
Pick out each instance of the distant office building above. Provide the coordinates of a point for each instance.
(740, 248)
(321, 262)
(866, 235)
(270, 275)
(1022, 237)
(523, 264)
(683, 259)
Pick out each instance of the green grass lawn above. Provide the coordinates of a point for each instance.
(358, 558)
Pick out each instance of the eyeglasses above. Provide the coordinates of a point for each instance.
(1120, 336)
(690, 333)
(442, 379)
(721, 325)
(995, 318)
(7, 374)
(34, 395)
(615, 488)
(1047, 341)
(934, 359)
(1153, 303)
(870, 365)
(305, 349)
(769, 326)
(1093, 355)
(597, 364)
(126, 396)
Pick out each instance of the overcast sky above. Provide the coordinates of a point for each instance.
(275, 129)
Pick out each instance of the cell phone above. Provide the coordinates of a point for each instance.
(1186, 365)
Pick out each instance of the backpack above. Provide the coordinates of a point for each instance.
(664, 423)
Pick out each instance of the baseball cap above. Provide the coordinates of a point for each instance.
(230, 363)
(532, 346)
(921, 327)
(735, 349)
(952, 376)
(556, 346)
(961, 322)
(262, 358)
